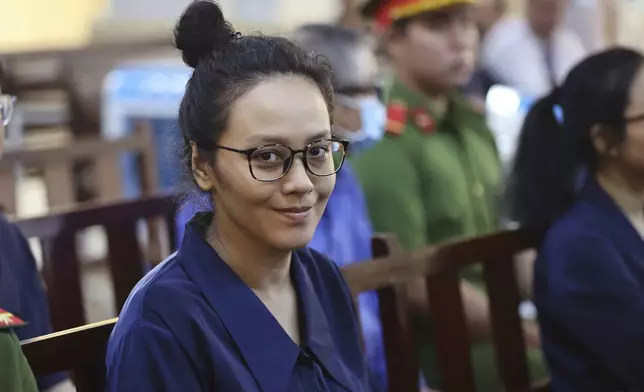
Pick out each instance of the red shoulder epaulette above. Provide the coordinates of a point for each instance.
(396, 118)
(424, 121)
(8, 320)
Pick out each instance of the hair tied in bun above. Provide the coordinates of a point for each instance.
(201, 31)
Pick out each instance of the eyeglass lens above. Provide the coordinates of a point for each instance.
(322, 159)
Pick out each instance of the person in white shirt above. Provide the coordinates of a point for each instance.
(532, 54)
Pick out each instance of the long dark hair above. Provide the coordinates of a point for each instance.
(555, 145)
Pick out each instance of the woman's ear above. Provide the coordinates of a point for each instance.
(202, 170)
(604, 141)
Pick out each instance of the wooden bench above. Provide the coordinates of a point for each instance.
(57, 163)
(57, 233)
(440, 265)
(388, 273)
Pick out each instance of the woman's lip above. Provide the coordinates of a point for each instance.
(295, 214)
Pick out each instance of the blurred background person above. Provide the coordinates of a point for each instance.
(487, 14)
(436, 175)
(21, 291)
(532, 54)
(581, 175)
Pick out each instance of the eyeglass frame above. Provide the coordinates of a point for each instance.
(250, 151)
(11, 101)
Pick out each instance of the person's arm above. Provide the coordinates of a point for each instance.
(34, 307)
(15, 374)
(595, 296)
(150, 359)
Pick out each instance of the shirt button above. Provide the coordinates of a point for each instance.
(478, 190)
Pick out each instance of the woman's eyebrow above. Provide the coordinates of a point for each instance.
(275, 139)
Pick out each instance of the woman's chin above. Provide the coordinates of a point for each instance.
(291, 239)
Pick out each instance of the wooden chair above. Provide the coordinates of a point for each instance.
(57, 163)
(440, 265)
(80, 350)
(57, 234)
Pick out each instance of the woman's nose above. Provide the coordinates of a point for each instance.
(297, 179)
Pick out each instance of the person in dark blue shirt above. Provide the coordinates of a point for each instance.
(344, 232)
(579, 171)
(243, 305)
(21, 290)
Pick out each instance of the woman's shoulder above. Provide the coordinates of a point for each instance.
(163, 294)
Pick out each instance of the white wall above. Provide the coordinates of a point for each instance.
(261, 14)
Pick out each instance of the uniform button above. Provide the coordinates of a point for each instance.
(478, 190)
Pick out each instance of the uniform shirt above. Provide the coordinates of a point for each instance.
(589, 292)
(15, 374)
(192, 325)
(21, 290)
(344, 236)
(431, 180)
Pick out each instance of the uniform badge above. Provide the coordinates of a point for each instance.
(424, 121)
(396, 118)
(8, 320)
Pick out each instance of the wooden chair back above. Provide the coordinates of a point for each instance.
(58, 232)
(440, 266)
(79, 350)
(57, 164)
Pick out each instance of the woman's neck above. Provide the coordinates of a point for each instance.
(629, 196)
(263, 269)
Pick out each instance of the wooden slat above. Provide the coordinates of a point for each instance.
(509, 342)
(402, 364)
(59, 184)
(62, 277)
(125, 258)
(451, 333)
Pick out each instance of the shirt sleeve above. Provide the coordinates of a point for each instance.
(393, 193)
(596, 297)
(150, 359)
(15, 374)
(33, 307)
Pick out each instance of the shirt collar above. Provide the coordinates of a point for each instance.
(611, 214)
(254, 330)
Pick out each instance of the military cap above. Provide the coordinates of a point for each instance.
(385, 12)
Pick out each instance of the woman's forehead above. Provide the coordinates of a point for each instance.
(286, 107)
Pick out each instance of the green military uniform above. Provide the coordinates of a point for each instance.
(15, 374)
(432, 179)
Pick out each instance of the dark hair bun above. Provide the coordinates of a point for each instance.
(200, 30)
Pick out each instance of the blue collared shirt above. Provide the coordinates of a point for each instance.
(192, 325)
(343, 235)
(21, 290)
(589, 292)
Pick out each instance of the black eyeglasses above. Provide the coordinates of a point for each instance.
(272, 161)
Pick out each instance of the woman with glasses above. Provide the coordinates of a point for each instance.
(243, 305)
(579, 172)
(344, 231)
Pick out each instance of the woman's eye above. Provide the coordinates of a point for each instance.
(268, 156)
(318, 151)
